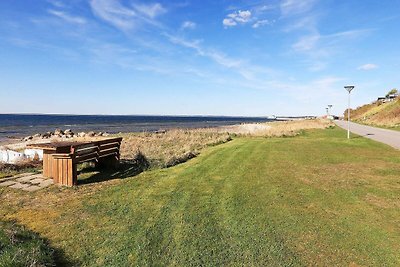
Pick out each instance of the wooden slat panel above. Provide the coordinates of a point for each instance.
(107, 141)
(57, 166)
(55, 170)
(50, 165)
(86, 158)
(67, 172)
(70, 173)
(82, 158)
(87, 145)
(107, 146)
(108, 155)
(45, 165)
(62, 156)
(61, 171)
(85, 151)
(109, 152)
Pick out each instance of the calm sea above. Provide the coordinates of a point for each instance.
(16, 126)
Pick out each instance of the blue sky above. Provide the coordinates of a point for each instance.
(248, 58)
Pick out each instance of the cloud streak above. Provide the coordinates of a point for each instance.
(190, 25)
(296, 7)
(368, 66)
(127, 18)
(66, 17)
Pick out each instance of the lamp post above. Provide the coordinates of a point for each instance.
(327, 112)
(349, 88)
(330, 109)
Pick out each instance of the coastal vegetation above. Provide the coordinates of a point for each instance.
(169, 148)
(313, 199)
(380, 114)
(166, 149)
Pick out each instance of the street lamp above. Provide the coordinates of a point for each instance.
(330, 107)
(349, 88)
(327, 111)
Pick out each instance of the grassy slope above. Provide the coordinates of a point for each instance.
(385, 115)
(316, 199)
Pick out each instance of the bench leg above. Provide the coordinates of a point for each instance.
(47, 164)
(64, 172)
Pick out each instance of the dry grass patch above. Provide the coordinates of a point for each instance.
(170, 148)
(277, 129)
(378, 114)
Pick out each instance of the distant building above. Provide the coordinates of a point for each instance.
(388, 98)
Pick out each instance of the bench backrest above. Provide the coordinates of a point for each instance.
(96, 149)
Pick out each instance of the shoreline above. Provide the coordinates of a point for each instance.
(242, 128)
(19, 126)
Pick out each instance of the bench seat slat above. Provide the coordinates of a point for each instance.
(107, 146)
(85, 151)
(103, 153)
(81, 158)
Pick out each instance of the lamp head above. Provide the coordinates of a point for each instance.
(349, 88)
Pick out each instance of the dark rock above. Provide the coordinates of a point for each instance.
(46, 135)
(28, 138)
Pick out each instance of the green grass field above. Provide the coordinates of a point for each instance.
(316, 199)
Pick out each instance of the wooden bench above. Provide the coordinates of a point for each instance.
(60, 159)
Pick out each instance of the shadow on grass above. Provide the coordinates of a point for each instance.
(126, 168)
(20, 246)
(360, 136)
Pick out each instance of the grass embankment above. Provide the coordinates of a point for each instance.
(20, 247)
(386, 115)
(315, 199)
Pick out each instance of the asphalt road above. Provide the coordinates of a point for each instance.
(389, 137)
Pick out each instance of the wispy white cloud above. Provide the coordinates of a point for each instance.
(126, 18)
(263, 8)
(114, 13)
(56, 3)
(188, 25)
(216, 56)
(261, 23)
(324, 45)
(308, 22)
(66, 17)
(150, 10)
(235, 18)
(307, 43)
(250, 72)
(368, 66)
(295, 7)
